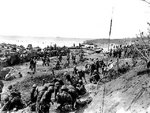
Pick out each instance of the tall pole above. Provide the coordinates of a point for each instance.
(103, 99)
(110, 28)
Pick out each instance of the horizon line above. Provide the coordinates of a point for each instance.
(57, 37)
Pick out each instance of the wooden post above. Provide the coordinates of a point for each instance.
(117, 65)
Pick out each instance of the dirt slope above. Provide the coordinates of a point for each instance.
(127, 94)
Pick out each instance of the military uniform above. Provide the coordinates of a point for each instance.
(40, 94)
(68, 59)
(31, 64)
(64, 99)
(68, 77)
(34, 93)
(45, 100)
(97, 65)
(72, 91)
(58, 65)
(81, 74)
(75, 70)
(60, 58)
(58, 80)
(95, 77)
(13, 102)
(74, 59)
(81, 88)
(44, 61)
(92, 68)
(34, 65)
(56, 89)
(47, 61)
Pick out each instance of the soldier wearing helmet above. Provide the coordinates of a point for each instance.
(10, 90)
(70, 87)
(57, 66)
(13, 101)
(95, 77)
(10, 87)
(75, 70)
(67, 77)
(39, 96)
(60, 57)
(56, 89)
(73, 92)
(64, 99)
(33, 94)
(81, 75)
(68, 58)
(102, 65)
(64, 88)
(93, 67)
(97, 65)
(80, 88)
(57, 84)
(50, 85)
(45, 100)
(74, 59)
(58, 80)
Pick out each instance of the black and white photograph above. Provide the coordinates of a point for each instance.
(74, 56)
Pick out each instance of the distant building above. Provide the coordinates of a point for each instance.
(90, 46)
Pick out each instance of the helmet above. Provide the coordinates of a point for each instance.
(57, 84)
(80, 81)
(95, 70)
(14, 93)
(10, 87)
(50, 89)
(65, 73)
(51, 84)
(6, 98)
(64, 87)
(34, 86)
(71, 87)
(45, 85)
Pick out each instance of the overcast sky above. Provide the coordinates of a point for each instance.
(73, 18)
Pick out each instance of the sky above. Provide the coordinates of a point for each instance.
(73, 18)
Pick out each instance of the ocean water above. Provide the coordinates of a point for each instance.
(41, 41)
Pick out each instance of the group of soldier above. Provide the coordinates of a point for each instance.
(32, 66)
(46, 61)
(12, 101)
(64, 91)
(122, 51)
(71, 57)
(64, 95)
